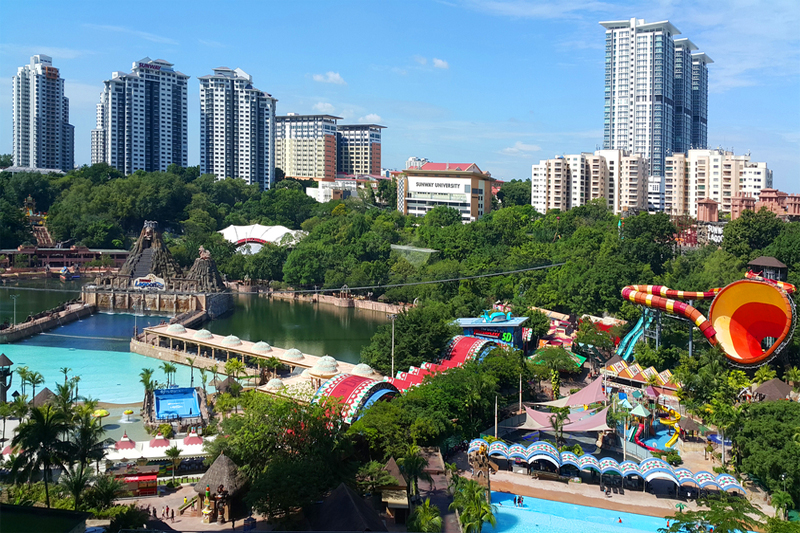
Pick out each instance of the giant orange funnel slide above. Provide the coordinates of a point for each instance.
(742, 315)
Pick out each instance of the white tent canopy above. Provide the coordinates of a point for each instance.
(257, 235)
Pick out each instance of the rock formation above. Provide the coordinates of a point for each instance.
(151, 256)
(204, 271)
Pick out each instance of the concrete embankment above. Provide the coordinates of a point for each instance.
(368, 305)
(40, 325)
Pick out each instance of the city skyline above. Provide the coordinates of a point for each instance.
(503, 84)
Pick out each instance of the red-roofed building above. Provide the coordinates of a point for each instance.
(462, 186)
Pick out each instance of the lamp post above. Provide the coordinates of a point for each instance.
(392, 317)
(14, 297)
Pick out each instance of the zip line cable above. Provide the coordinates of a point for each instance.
(340, 289)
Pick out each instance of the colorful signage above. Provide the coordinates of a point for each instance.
(506, 336)
(151, 66)
(151, 281)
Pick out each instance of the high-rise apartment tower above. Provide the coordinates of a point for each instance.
(359, 149)
(237, 128)
(656, 94)
(305, 146)
(142, 119)
(43, 136)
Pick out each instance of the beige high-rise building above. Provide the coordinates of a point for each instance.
(305, 146)
(572, 180)
(716, 174)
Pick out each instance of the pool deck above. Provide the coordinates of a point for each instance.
(636, 502)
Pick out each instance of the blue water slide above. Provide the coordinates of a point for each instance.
(625, 348)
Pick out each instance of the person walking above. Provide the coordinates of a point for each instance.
(173, 516)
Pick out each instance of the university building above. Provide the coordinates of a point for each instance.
(237, 128)
(462, 186)
(142, 119)
(43, 138)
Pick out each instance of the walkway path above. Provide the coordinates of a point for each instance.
(437, 490)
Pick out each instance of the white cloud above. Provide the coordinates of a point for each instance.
(421, 60)
(440, 63)
(141, 34)
(521, 148)
(212, 44)
(372, 118)
(330, 77)
(54, 52)
(324, 107)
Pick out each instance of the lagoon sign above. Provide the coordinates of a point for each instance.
(149, 282)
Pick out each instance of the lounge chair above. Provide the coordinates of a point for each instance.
(621, 490)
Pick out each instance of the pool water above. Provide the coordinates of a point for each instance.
(544, 516)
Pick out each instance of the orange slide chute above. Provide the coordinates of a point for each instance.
(742, 315)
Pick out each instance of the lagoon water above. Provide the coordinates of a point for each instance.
(97, 347)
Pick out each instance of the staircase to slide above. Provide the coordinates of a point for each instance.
(43, 238)
(144, 264)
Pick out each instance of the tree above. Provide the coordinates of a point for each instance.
(20, 406)
(103, 493)
(557, 420)
(515, 192)
(471, 502)
(74, 481)
(168, 369)
(793, 376)
(203, 379)
(751, 232)
(6, 411)
(274, 364)
(441, 217)
(23, 373)
(87, 441)
(372, 476)
(146, 379)
(64, 400)
(539, 325)
(35, 379)
(173, 454)
(782, 501)
(190, 360)
(412, 465)
(65, 370)
(763, 374)
(426, 518)
(40, 439)
(6, 160)
(724, 513)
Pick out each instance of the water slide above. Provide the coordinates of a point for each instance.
(625, 348)
(742, 315)
(671, 421)
(638, 440)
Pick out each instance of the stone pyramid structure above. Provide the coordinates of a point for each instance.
(151, 256)
(204, 271)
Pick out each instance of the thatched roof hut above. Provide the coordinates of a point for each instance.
(344, 510)
(223, 472)
(45, 395)
(773, 390)
(226, 384)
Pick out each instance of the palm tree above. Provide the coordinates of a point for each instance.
(40, 441)
(412, 465)
(191, 369)
(793, 375)
(105, 491)
(765, 373)
(20, 406)
(65, 370)
(87, 441)
(274, 363)
(74, 380)
(74, 481)
(35, 378)
(167, 368)
(23, 372)
(426, 518)
(214, 372)
(475, 510)
(781, 501)
(174, 455)
(262, 367)
(63, 399)
(558, 419)
(6, 411)
(146, 379)
(203, 379)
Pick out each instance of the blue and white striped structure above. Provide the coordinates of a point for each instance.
(649, 469)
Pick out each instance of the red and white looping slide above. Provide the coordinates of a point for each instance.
(742, 315)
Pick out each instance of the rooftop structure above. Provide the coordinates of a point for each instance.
(254, 236)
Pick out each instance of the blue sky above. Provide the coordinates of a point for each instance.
(499, 83)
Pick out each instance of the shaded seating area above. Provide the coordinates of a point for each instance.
(651, 471)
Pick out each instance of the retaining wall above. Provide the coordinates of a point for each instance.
(28, 329)
(369, 305)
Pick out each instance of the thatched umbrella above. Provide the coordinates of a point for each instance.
(44, 396)
(222, 472)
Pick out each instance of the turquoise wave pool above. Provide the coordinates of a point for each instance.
(544, 516)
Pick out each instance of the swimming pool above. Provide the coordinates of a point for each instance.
(176, 403)
(544, 516)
